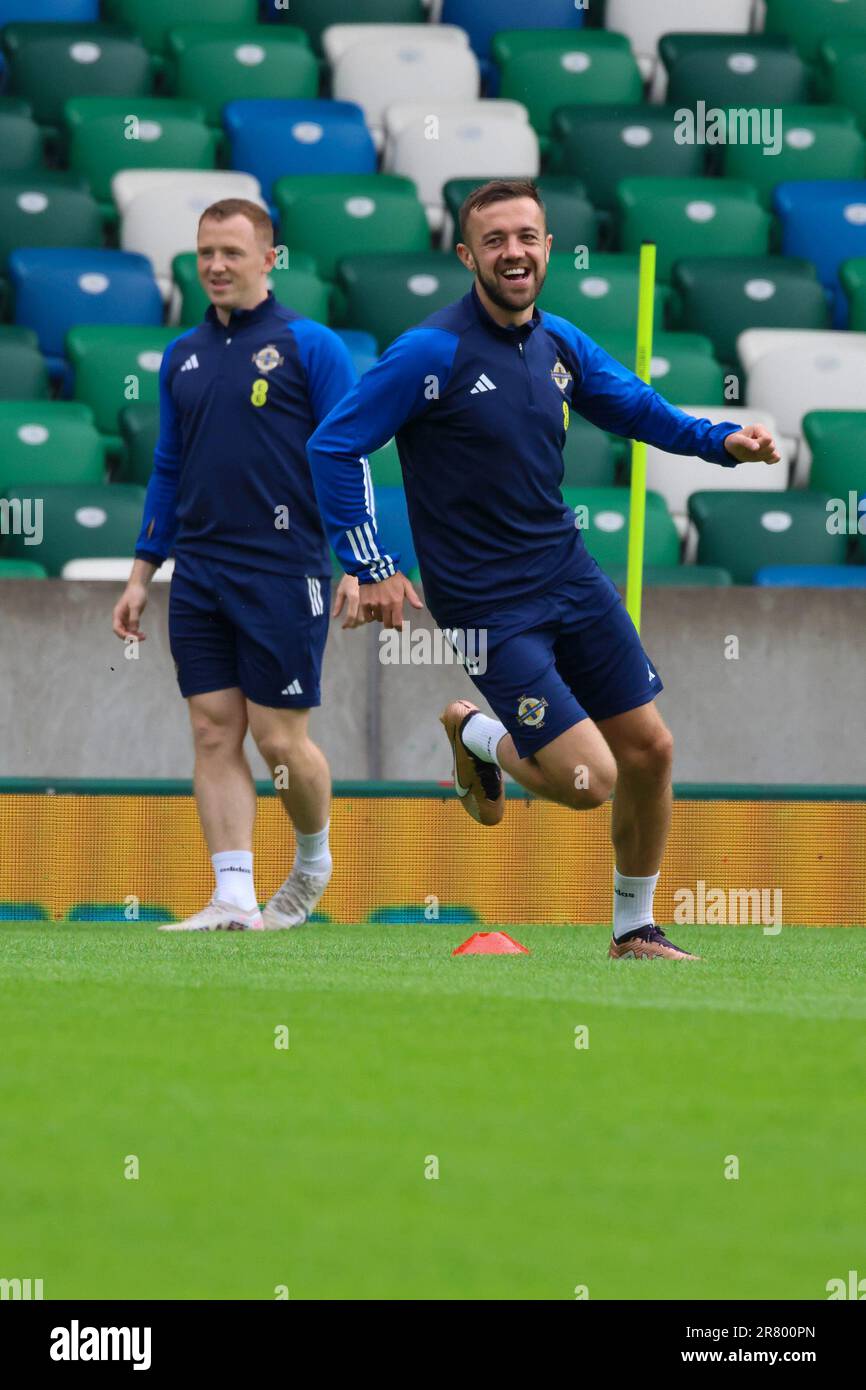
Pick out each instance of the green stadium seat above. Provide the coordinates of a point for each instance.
(19, 333)
(682, 369)
(590, 457)
(49, 63)
(20, 143)
(21, 569)
(744, 531)
(571, 218)
(152, 20)
(837, 440)
(115, 364)
(853, 277)
(601, 299)
(723, 296)
(604, 145)
(23, 373)
(843, 67)
(42, 442)
(807, 24)
(688, 217)
(139, 429)
(15, 106)
(298, 286)
(676, 576)
(818, 142)
(388, 294)
(315, 16)
(171, 135)
(78, 523)
(41, 212)
(385, 466)
(337, 215)
(547, 68)
(724, 70)
(215, 65)
(604, 522)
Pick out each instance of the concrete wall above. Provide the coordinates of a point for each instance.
(789, 709)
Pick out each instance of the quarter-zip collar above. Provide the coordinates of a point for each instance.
(510, 332)
(241, 318)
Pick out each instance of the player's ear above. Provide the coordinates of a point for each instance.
(466, 256)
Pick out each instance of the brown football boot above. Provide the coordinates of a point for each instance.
(477, 783)
(648, 943)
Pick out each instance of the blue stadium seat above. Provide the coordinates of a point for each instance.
(483, 18)
(49, 11)
(812, 576)
(270, 138)
(824, 221)
(55, 289)
(392, 520)
(363, 348)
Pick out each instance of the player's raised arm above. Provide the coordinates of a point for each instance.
(615, 399)
(159, 523)
(396, 390)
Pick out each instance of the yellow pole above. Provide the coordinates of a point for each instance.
(637, 502)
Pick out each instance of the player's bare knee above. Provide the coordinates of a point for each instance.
(592, 787)
(212, 736)
(282, 749)
(651, 758)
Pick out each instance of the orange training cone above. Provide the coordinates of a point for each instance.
(491, 943)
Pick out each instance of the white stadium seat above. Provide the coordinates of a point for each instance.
(645, 21)
(376, 75)
(111, 569)
(793, 371)
(339, 38)
(403, 113)
(209, 184)
(677, 476)
(467, 144)
(163, 220)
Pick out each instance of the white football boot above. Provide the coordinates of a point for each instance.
(218, 916)
(293, 903)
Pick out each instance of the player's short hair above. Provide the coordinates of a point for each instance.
(241, 207)
(498, 191)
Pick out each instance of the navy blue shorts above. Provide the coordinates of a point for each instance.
(547, 667)
(230, 626)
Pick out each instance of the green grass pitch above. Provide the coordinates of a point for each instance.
(304, 1167)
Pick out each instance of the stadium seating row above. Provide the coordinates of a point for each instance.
(645, 25)
(738, 533)
(746, 306)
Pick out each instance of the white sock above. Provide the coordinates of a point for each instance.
(481, 736)
(313, 855)
(632, 903)
(234, 878)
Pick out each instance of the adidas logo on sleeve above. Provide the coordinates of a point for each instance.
(190, 364)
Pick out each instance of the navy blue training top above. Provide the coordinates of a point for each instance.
(230, 476)
(480, 412)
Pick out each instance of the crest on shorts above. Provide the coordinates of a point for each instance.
(267, 358)
(561, 375)
(530, 711)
